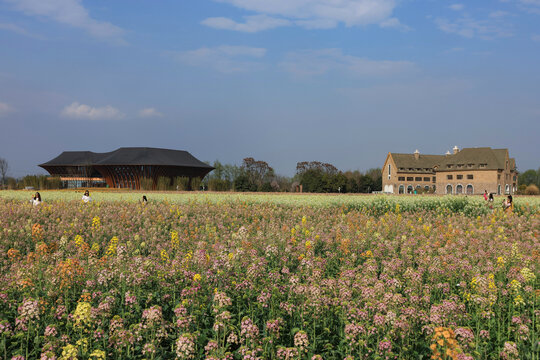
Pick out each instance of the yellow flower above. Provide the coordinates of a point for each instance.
(82, 314)
(519, 300)
(82, 344)
(293, 231)
(500, 261)
(175, 239)
(113, 244)
(96, 222)
(231, 256)
(69, 352)
(95, 247)
(97, 355)
(528, 274)
(79, 240)
(304, 221)
(515, 285)
(308, 244)
(197, 277)
(164, 256)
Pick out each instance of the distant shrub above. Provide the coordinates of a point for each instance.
(147, 184)
(532, 190)
(163, 183)
(219, 185)
(195, 183)
(181, 183)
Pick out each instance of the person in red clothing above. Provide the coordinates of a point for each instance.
(485, 195)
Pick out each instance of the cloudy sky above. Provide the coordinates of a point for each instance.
(340, 81)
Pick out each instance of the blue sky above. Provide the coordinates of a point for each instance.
(340, 81)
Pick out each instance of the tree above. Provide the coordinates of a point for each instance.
(529, 177)
(258, 172)
(3, 170)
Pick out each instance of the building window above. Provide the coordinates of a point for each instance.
(507, 189)
(459, 166)
(499, 177)
(389, 170)
(470, 165)
(449, 166)
(470, 176)
(514, 177)
(418, 178)
(401, 178)
(409, 178)
(459, 189)
(434, 179)
(449, 177)
(426, 179)
(449, 189)
(470, 189)
(483, 166)
(409, 189)
(426, 188)
(499, 190)
(459, 177)
(401, 189)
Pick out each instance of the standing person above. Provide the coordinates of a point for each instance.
(36, 200)
(485, 195)
(86, 197)
(144, 199)
(508, 205)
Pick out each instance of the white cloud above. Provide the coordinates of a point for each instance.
(311, 14)
(319, 62)
(19, 30)
(82, 111)
(469, 27)
(149, 112)
(225, 58)
(69, 12)
(252, 24)
(5, 109)
(457, 7)
(498, 14)
(394, 23)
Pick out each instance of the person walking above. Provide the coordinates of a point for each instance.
(36, 200)
(508, 205)
(86, 197)
(485, 195)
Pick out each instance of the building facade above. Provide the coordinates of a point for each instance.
(132, 167)
(467, 171)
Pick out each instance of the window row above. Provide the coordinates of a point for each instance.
(417, 178)
(469, 190)
(459, 177)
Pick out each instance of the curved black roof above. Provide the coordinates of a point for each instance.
(128, 156)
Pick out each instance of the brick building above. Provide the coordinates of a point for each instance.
(467, 171)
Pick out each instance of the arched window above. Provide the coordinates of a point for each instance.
(470, 189)
(401, 189)
(426, 188)
(499, 190)
(448, 189)
(507, 189)
(459, 189)
(409, 189)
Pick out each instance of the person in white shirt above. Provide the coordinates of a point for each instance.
(36, 200)
(86, 197)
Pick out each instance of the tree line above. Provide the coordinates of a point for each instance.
(529, 182)
(310, 176)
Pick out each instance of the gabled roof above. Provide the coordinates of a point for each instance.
(128, 156)
(408, 161)
(484, 158)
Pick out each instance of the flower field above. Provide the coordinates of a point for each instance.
(226, 276)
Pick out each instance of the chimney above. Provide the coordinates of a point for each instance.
(456, 150)
(417, 154)
(447, 153)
